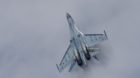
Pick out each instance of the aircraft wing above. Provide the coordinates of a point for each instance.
(93, 39)
(67, 59)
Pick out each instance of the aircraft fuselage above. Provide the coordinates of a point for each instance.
(77, 39)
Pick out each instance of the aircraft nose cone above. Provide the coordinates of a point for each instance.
(68, 15)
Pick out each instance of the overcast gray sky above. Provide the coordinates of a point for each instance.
(34, 35)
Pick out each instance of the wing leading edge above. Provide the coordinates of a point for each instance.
(93, 39)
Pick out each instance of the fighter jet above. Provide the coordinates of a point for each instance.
(80, 48)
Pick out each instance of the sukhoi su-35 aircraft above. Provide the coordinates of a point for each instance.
(81, 47)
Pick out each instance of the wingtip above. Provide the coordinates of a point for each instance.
(105, 34)
(59, 69)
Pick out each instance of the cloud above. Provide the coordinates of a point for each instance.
(34, 36)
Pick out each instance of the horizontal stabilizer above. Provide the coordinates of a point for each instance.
(72, 65)
(92, 49)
